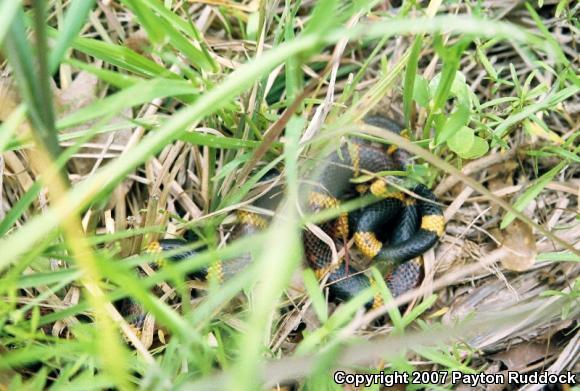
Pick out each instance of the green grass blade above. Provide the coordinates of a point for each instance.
(35, 91)
(409, 84)
(8, 9)
(148, 20)
(451, 57)
(186, 27)
(315, 293)
(394, 313)
(9, 127)
(19, 208)
(121, 57)
(547, 35)
(115, 79)
(531, 193)
(419, 310)
(159, 29)
(74, 20)
(137, 94)
(44, 102)
(210, 140)
(551, 100)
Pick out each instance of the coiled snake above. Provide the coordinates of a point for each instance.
(395, 229)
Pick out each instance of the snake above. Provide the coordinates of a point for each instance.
(394, 230)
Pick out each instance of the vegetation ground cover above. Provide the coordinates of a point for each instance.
(126, 121)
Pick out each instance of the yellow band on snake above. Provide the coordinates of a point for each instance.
(377, 298)
(392, 149)
(433, 223)
(323, 201)
(367, 243)
(252, 219)
(379, 189)
(155, 248)
(215, 272)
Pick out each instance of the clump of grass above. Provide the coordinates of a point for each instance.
(193, 104)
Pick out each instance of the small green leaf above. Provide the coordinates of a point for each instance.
(418, 173)
(456, 121)
(466, 144)
(462, 141)
(562, 256)
(421, 92)
(478, 148)
(459, 88)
